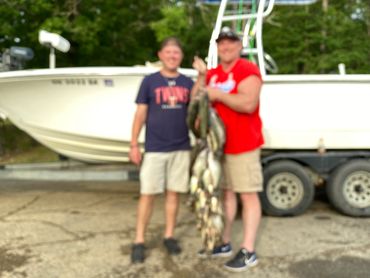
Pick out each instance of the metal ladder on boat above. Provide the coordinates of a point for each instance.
(251, 31)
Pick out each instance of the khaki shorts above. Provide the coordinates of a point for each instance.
(243, 172)
(165, 170)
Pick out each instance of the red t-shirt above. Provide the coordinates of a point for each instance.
(243, 130)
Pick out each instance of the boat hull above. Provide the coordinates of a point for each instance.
(303, 112)
(86, 113)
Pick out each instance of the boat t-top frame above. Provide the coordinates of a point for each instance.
(252, 30)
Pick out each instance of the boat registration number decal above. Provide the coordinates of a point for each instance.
(76, 81)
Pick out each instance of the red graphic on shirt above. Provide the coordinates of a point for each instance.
(171, 95)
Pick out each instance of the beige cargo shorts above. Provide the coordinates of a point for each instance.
(165, 170)
(243, 172)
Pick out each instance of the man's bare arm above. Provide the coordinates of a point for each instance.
(137, 125)
(247, 98)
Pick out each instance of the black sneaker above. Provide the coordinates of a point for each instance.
(172, 246)
(221, 251)
(137, 254)
(242, 261)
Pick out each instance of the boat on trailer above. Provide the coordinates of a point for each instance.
(316, 127)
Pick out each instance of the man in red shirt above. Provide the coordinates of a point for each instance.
(234, 89)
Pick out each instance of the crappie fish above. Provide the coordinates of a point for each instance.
(192, 116)
(197, 118)
(196, 149)
(200, 164)
(203, 117)
(214, 167)
(217, 132)
(194, 184)
(206, 170)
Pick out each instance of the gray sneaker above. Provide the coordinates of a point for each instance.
(242, 261)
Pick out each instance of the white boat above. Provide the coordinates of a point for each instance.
(82, 113)
(316, 127)
(86, 113)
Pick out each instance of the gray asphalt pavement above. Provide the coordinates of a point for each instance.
(85, 229)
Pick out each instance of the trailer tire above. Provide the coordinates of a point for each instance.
(288, 190)
(349, 188)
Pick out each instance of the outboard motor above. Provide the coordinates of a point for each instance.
(15, 57)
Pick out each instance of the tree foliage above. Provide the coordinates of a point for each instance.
(101, 32)
(191, 23)
(307, 39)
(302, 39)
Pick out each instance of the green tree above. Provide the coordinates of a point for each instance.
(19, 25)
(295, 38)
(191, 23)
(302, 39)
(101, 32)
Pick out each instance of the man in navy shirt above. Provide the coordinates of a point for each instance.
(162, 104)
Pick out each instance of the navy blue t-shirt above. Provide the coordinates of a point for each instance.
(167, 100)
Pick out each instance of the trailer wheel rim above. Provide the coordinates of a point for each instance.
(356, 189)
(285, 190)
